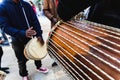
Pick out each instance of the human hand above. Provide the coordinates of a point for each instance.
(1, 41)
(40, 39)
(30, 32)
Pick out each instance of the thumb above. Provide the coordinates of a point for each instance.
(30, 28)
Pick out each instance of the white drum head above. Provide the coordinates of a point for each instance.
(34, 50)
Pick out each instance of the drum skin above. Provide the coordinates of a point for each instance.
(34, 50)
(86, 50)
(2, 75)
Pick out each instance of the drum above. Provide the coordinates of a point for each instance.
(86, 50)
(34, 50)
(2, 75)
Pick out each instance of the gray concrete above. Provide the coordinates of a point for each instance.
(9, 59)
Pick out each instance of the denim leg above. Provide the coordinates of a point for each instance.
(18, 49)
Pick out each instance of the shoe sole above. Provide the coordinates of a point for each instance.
(43, 71)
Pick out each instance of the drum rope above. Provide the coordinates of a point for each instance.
(78, 61)
(84, 26)
(101, 27)
(114, 67)
(111, 48)
(63, 62)
(89, 44)
(72, 62)
(53, 56)
(86, 59)
(59, 60)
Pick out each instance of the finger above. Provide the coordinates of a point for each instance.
(30, 28)
(29, 36)
(32, 33)
(35, 33)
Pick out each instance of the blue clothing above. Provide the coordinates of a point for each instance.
(13, 22)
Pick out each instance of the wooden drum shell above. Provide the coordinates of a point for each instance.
(88, 51)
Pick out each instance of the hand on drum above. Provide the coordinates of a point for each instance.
(30, 33)
(41, 40)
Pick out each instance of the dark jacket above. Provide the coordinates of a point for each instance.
(13, 22)
(101, 11)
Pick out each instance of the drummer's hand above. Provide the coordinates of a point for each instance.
(30, 32)
(1, 41)
(41, 40)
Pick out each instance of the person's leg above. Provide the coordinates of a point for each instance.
(54, 64)
(39, 67)
(38, 63)
(1, 53)
(2, 68)
(18, 49)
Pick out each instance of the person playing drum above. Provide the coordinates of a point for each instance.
(13, 22)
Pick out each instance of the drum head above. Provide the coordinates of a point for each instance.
(2, 75)
(34, 50)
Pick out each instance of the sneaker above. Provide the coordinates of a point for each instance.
(25, 78)
(43, 70)
(54, 64)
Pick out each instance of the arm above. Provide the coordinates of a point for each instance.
(46, 10)
(34, 22)
(48, 14)
(37, 27)
(5, 25)
(51, 17)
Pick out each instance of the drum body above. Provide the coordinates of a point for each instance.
(34, 50)
(2, 75)
(87, 51)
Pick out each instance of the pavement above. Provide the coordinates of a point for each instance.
(9, 60)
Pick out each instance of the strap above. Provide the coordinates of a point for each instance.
(25, 15)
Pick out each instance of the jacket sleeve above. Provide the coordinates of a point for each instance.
(35, 23)
(69, 8)
(5, 25)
